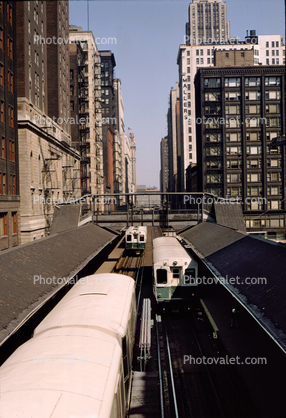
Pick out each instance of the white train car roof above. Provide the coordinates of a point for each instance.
(165, 241)
(64, 372)
(139, 228)
(168, 249)
(100, 301)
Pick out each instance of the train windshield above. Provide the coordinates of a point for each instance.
(161, 276)
(141, 238)
(129, 238)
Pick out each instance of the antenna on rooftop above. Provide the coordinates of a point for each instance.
(87, 15)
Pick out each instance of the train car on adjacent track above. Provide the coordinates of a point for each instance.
(79, 361)
(136, 238)
(174, 270)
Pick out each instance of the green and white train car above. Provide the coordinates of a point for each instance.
(136, 238)
(174, 270)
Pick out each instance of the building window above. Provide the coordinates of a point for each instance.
(232, 82)
(1, 39)
(11, 116)
(14, 223)
(10, 82)
(252, 81)
(3, 224)
(10, 48)
(1, 74)
(3, 148)
(2, 112)
(267, 44)
(1, 7)
(71, 75)
(4, 183)
(212, 82)
(9, 14)
(267, 61)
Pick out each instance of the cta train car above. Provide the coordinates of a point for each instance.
(174, 270)
(78, 363)
(136, 238)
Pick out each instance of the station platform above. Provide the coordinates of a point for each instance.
(144, 400)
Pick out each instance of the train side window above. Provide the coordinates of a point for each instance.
(190, 276)
(125, 358)
(129, 238)
(161, 276)
(141, 238)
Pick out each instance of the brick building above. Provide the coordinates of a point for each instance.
(9, 159)
(90, 110)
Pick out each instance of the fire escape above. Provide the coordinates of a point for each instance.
(83, 128)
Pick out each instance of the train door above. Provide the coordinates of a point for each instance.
(135, 240)
(176, 273)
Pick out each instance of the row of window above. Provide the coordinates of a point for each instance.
(268, 223)
(236, 81)
(4, 185)
(4, 224)
(236, 96)
(10, 79)
(10, 114)
(9, 44)
(236, 137)
(3, 152)
(9, 12)
(272, 44)
(235, 122)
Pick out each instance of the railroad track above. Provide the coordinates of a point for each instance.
(187, 390)
(129, 265)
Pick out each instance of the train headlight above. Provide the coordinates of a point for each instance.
(175, 263)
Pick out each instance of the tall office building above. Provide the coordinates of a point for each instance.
(49, 166)
(108, 117)
(90, 116)
(78, 106)
(172, 118)
(164, 172)
(133, 161)
(9, 161)
(118, 142)
(207, 22)
(243, 109)
(267, 50)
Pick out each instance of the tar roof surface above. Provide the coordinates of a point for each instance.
(229, 253)
(61, 255)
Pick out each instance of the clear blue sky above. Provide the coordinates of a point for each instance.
(148, 35)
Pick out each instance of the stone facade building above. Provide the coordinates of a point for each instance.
(49, 166)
